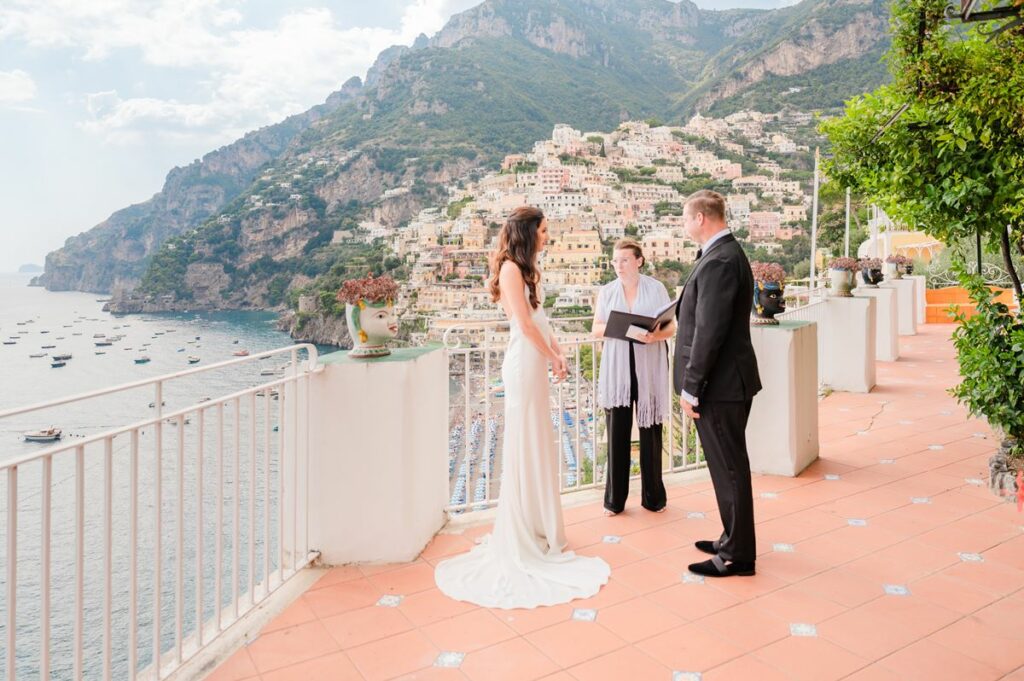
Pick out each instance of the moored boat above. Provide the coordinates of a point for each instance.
(45, 435)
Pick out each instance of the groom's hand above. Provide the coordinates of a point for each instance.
(688, 408)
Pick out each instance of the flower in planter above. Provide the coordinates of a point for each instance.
(895, 264)
(841, 276)
(370, 290)
(370, 313)
(769, 286)
(844, 263)
(871, 271)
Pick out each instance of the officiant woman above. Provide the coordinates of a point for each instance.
(633, 380)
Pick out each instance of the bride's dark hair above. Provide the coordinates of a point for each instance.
(517, 242)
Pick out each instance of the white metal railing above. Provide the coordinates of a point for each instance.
(83, 558)
(475, 424)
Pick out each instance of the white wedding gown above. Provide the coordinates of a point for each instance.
(521, 564)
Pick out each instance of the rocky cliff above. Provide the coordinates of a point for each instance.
(251, 224)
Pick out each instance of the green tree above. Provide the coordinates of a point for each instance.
(942, 147)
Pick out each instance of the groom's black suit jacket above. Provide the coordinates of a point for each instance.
(714, 360)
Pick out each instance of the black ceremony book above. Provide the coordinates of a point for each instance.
(622, 324)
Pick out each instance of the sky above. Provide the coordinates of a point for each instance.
(99, 99)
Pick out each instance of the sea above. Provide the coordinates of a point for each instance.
(71, 322)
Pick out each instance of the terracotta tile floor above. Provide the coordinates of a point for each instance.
(903, 567)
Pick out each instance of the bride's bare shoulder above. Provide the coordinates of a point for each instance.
(510, 272)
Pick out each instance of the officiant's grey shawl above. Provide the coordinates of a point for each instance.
(653, 400)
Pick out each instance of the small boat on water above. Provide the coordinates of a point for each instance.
(38, 354)
(10, 342)
(204, 399)
(192, 359)
(98, 335)
(101, 352)
(103, 343)
(77, 333)
(180, 350)
(61, 358)
(141, 360)
(240, 353)
(267, 372)
(48, 347)
(57, 365)
(50, 434)
(43, 331)
(163, 403)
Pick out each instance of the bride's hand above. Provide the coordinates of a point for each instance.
(559, 368)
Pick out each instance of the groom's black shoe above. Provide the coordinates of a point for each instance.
(707, 546)
(716, 567)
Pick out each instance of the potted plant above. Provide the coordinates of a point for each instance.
(840, 271)
(769, 288)
(988, 347)
(370, 313)
(871, 272)
(894, 266)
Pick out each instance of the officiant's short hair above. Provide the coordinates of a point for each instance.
(711, 204)
(630, 245)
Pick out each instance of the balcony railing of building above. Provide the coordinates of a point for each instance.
(128, 551)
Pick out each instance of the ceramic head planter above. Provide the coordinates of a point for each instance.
(894, 265)
(370, 313)
(840, 272)
(769, 290)
(871, 272)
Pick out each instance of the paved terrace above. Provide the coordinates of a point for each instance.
(888, 559)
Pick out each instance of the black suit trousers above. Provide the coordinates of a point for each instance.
(619, 421)
(722, 429)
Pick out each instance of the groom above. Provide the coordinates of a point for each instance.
(716, 376)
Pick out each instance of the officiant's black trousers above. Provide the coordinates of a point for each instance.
(722, 428)
(620, 425)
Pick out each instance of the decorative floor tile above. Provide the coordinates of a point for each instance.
(690, 578)
(920, 500)
(896, 590)
(783, 548)
(887, 461)
(905, 422)
(611, 539)
(971, 557)
(696, 515)
(832, 476)
(863, 432)
(974, 481)
(390, 601)
(857, 522)
(977, 434)
(450, 660)
(584, 614)
(801, 629)
(686, 676)
(769, 495)
(935, 448)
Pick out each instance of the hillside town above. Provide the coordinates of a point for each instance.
(596, 187)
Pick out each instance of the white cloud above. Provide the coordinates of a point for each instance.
(16, 86)
(251, 76)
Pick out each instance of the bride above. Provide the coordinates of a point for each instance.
(522, 563)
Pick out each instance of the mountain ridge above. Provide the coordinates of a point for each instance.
(494, 79)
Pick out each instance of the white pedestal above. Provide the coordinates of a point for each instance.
(887, 346)
(847, 360)
(782, 433)
(378, 455)
(920, 297)
(906, 314)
